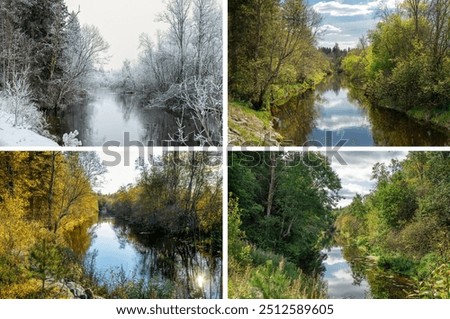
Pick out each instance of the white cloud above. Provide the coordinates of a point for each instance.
(339, 122)
(331, 260)
(328, 29)
(356, 175)
(343, 274)
(332, 103)
(357, 188)
(340, 9)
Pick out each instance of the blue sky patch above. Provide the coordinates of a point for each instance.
(345, 21)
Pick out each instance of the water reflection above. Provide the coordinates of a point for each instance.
(342, 282)
(335, 108)
(108, 115)
(191, 271)
(350, 275)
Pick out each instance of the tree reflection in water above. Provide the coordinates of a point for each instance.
(365, 279)
(191, 269)
(341, 109)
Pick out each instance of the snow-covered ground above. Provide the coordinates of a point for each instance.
(16, 136)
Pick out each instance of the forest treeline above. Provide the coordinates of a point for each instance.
(46, 205)
(405, 221)
(280, 217)
(404, 63)
(182, 68)
(45, 54)
(46, 60)
(180, 198)
(272, 54)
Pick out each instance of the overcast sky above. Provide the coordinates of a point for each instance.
(355, 176)
(119, 174)
(345, 21)
(120, 22)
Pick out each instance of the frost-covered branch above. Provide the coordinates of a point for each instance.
(202, 98)
(71, 140)
(16, 100)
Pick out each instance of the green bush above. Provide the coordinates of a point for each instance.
(397, 263)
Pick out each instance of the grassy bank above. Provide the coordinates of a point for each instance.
(269, 276)
(247, 126)
(255, 273)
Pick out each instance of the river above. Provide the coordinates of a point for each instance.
(107, 116)
(193, 272)
(350, 276)
(330, 114)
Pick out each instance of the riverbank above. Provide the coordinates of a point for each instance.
(438, 119)
(249, 127)
(20, 136)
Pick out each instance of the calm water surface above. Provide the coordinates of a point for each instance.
(195, 273)
(330, 114)
(107, 116)
(350, 276)
(340, 278)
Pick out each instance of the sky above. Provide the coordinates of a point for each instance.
(355, 176)
(345, 21)
(120, 174)
(120, 22)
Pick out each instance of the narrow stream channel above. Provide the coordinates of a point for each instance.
(351, 276)
(330, 114)
(342, 282)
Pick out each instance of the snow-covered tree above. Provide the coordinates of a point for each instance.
(92, 166)
(17, 101)
(207, 38)
(183, 67)
(202, 100)
(177, 16)
(85, 48)
(128, 76)
(71, 140)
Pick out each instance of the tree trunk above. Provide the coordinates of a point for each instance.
(273, 165)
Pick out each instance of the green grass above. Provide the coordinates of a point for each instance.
(251, 125)
(263, 115)
(270, 276)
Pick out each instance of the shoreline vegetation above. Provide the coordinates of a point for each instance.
(404, 63)
(272, 60)
(279, 203)
(48, 65)
(402, 224)
(48, 206)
